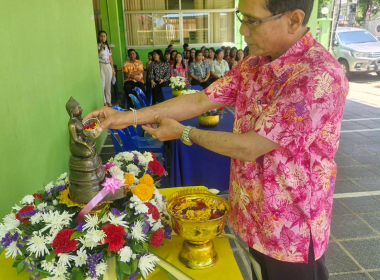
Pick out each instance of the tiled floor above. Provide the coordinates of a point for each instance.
(354, 248)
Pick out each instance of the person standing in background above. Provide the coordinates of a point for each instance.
(159, 73)
(167, 56)
(186, 47)
(106, 67)
(179, 67)
(133, 70)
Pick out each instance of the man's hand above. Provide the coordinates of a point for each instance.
(109, 118)
(168, 129)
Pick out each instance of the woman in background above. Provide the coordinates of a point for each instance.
(232, 57)
(172, 57)
(211, 56)
(239, 57)
(219, 67)
(199, 71)
(150, 59)
(106, 67)
(179, 67)
(159, 73)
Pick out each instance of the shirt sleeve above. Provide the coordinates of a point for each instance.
(305, 113)
(191, 69)
(226, 66)
(166, 72)
(207, 67)
(224, 90)
(151, 72)
(140, 67)
(125, 70)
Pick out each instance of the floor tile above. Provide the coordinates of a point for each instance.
(366, 159)
(369, 183)
(350, 226)
(366, 252)
(339, 208)
(338, 261)
(359, 171)
(362, 204)
(375, 275)
(373, 219)
(351, 276)
(345, 161)
(372, 149)
(352, 150)
(347, 186)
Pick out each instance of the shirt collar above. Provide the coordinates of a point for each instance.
(292, 55)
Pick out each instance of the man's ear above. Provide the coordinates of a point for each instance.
(295, 20)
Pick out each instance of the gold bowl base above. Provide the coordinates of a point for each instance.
(198, 256)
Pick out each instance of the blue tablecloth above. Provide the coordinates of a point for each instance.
(167, 92)
(197, 166)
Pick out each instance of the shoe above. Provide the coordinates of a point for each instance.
(109, 104)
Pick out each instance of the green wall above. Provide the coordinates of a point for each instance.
(48, 54)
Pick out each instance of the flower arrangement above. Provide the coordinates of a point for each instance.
(190, 91)
(42, 234)
(215, 112)
(178, 83)
(199, 209)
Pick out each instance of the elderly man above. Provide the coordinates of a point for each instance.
(288, 95)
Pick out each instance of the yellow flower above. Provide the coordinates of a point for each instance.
(147, 180)
(143, 192)
(129, 180)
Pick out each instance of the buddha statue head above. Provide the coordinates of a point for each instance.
(73, 108)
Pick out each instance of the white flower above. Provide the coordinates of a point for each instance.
(50, 238)
(160, 204)
(141, 209)
(116, 172)
(142, 160)
(42, 206)
(16, 207)
(104, 219)
(60, 270)
(55, 202)
(36, 218)
(117, 221)
(37, 245)
(157, 225)
(3, 230)
(12, 250)
(56, 220)
(62, 177)
(92, 238)
(148, 156)
(49, 186)
(137, 229)
(10, 222)
(133, 169)
(81, 258)
(92, 222)
(28, 199)
(147, 264)
(48, 266)
(65, 259)
(100, 268)
(135, 200)
(151, 220)
(125, 254)
(127, 156)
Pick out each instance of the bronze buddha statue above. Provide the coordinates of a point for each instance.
(86, 169)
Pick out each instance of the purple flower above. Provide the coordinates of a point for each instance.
(80, 226)
(115, 212)
(150, 172)
(29, 213)
(136, 159)
(167, 231)
(8, 239)
(92, 261)
(133, 276)
(25, 238)
(58, 188)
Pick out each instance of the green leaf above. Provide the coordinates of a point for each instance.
(125, 267)
(15, 264)
(79, 276)
(100, 277)
(134, 265)
(50, 257)
(145, 247)
(37, 201)
(73, 275)
(1, 250)
(20, 267)
(102, 212)
(137, 248)
(119, 272)
(76, 234)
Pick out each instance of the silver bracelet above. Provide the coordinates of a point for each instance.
(134, 117)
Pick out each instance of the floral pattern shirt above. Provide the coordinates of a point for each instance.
(199, 70)
(130, 67)
(159, 70)
(179, 71)
(296, 101)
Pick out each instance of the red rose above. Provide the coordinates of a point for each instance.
(153, 156)
(115, 237)
(156, 167)
(23, 210)
(62, 242)
(153, 210)
(39, 195)
(157, 238)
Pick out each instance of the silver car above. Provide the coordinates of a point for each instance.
(357, 50)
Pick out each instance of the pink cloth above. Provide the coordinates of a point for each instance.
(179, 71)
(297, 101)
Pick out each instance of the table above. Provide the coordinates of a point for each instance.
(225, 268)
(195, 165)
(167, 92)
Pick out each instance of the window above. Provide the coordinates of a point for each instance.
(185, 21)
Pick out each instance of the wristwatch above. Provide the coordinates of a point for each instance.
(185, 136)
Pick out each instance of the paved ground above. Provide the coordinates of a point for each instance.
(354, 249)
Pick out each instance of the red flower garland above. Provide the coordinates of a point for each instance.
(23, 210)
(115, 237)
(153, 210)
(157, 238)
(62, 242)
(157, 168)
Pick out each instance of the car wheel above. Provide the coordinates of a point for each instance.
(346, 68)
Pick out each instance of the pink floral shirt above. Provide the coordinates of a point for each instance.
(296, 101)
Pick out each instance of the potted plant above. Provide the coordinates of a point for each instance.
(178, 85)
(211, 118)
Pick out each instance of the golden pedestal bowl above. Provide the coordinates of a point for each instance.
(208, 121)
(198, 250)
(177, 92)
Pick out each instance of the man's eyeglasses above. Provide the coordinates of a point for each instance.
(254, 23)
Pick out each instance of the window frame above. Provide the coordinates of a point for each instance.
(180, 12)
